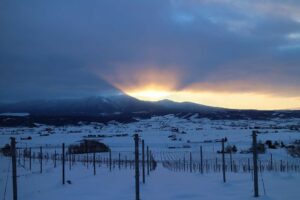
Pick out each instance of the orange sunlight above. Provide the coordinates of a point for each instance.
(150, 95)
(235, 100)
(154, 84)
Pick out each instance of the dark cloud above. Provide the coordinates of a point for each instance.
(62, 48)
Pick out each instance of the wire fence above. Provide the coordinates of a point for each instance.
(174, 161)
(37, 159)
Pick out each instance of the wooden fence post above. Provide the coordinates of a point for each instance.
(254, 147)
(137, 184)
(14, 167)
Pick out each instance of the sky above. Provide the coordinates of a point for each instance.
(228, 53)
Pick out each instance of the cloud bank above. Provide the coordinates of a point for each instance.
(79, 48)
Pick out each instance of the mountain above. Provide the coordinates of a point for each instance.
(99, 105)
(186, 106)
(96, 105)
(122, 108)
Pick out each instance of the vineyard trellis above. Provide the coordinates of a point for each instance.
(26, 156)
(145, 161)
(175, 161)
(178, 161)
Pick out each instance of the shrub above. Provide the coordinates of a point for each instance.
(6, 150)
(294, 149)
(261, 148)
(270, 144)
(294, 152)
(88, 146)
(234, 149)
(230, 149)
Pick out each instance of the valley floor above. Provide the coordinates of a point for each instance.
(161, 184)
(170, 138)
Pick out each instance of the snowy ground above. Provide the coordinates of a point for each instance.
(162, 183)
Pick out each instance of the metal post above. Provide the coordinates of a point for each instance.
(30, 159)
(55, 159)
(223, 161)
(271, 161)
(70, 164)
(151, 160)
(249, 168)
(14, 168)
(254, 147)
(148, 167)
(230, 161)
(201, 159)
(191, 165)
(41, 159)
(63, 163)
(183, 162)
(19, 156)
(119, 161)
(94, 162)
(87, 153)
(109, 160)
(24, 154)
(137, 184)
(143, 160)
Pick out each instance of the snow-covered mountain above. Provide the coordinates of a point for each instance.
(122, 108)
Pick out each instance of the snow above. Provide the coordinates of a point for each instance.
(162, 182)
(15, 114)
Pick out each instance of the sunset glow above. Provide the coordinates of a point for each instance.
(150, 95)
(221, 99)
(233, 54)
(156, 84)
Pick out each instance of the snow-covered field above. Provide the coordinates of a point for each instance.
(165, 135)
